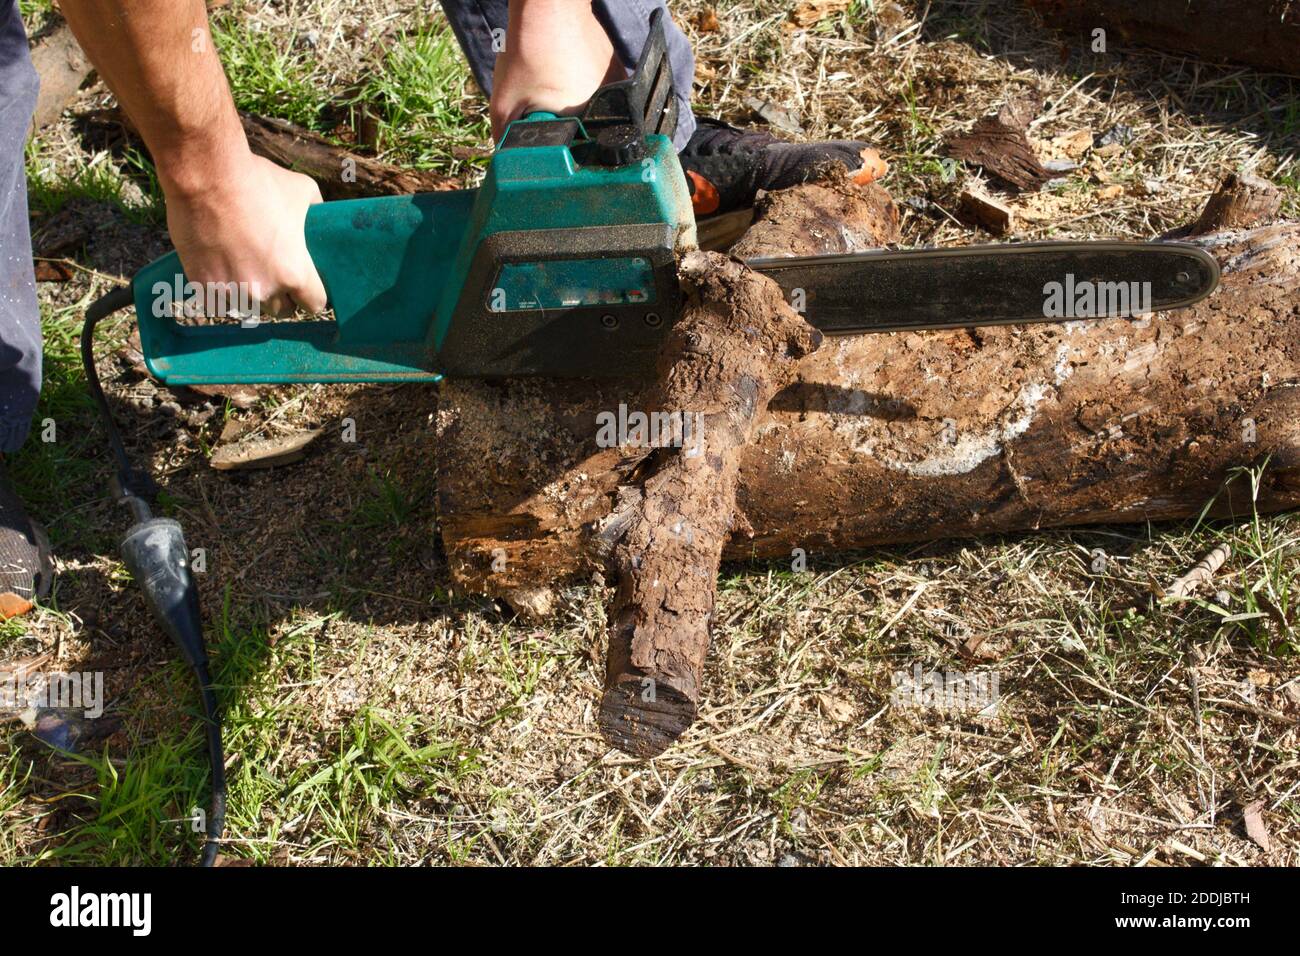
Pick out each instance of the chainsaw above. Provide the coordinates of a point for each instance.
(563, 263)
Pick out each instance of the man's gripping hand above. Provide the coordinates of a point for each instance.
(247, 226)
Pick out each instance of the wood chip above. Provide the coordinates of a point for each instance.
(52, 270)
(1073, 144)
(1203, 573)
(235, 429)
(810, 12)
(240, 396)
(974, 649)
(839, 711)
(977, 208)
(1020, 110)
(1252, 816)
(998, 144)
(706, 21)
(773, 114)
(264, 452)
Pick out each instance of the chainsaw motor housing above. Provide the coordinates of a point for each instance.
(572, 267)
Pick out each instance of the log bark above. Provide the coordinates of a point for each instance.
(339, 172)
(1259, 33)
(735, 346)
(909, 437)
(998, 143)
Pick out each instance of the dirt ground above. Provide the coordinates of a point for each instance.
(376, 716)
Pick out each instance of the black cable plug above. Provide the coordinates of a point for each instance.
(154, 552)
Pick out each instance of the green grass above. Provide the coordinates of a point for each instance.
(51, 187)
(31, 9)
(1288, 177)
(1271, 589)
(386, 507)
(268, 77)
(138, 811)
(417, 94)
(380, 761)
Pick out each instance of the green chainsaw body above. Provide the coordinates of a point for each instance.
(550, 265)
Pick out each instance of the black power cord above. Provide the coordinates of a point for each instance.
(154, 552)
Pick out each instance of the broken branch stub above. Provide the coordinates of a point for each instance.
(735, 346)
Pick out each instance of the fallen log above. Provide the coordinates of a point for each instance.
(1259, 33)
(339, 172)
(910, 437)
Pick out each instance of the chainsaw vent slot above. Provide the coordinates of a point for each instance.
(227, 312)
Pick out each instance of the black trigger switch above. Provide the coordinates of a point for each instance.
(619, 145)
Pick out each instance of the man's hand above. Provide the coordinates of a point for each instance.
(247, 226)
(556, 56)
(233, 216)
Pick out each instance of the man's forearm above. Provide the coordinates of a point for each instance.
(158, 58)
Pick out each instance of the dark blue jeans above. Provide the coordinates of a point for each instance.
(626, 21)
(20, 322)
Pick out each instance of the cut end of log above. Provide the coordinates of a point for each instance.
(642, 717)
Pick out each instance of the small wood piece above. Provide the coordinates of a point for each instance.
(339, 173)
(977, 208)
(998, 143)
(264, 452)
(1202, 574)
(1252, 818)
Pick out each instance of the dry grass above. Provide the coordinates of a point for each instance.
(375, 717)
